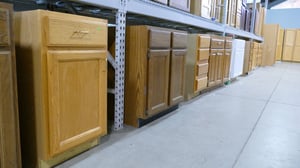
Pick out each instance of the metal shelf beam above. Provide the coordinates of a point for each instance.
(112, 4)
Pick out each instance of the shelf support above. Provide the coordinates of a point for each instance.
(120, 66)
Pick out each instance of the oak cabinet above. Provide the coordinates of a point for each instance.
(279, 44)
(62, 73)
(9, 121)
(216, 61)
(227, 58)
(154, 71)
(288, 46)
(296, 56)
(196, 64)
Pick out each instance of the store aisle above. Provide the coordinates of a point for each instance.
(252, 122)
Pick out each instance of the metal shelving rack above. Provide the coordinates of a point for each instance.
(151, 9)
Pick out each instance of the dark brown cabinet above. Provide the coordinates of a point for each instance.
(154, 71)
(9, 127)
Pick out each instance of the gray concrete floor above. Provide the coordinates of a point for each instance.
(252, 123)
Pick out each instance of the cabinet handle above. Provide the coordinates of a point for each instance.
(219, 54)
(82, 31)
(214, 54)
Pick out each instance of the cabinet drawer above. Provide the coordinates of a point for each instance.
(4, 28)
(200, 84)
(71, 32)
(179, 40)
(216, 52)
(217, 43)
(202, 69)
(159, 39)
(204, 41)
(203, 54)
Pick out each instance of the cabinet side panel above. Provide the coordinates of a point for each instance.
(28, 61)
(135, 73)
(190, 65)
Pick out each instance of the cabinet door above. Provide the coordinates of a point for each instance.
(219, 67)
(226, 67)
(77, 83)
(158, 81)
(289, 41)
(177, 77)
(205, 8)
(9, 139)
(212, 68)
(4, 27)
(296, 56)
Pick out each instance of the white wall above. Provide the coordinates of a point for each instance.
(287, 18)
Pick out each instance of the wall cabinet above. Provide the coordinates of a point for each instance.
(9, 121)
(155, 59)
(201, 8)
(180, 4)
(62, 77)
(196, 64)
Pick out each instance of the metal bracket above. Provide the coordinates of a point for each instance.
(111, 60)
(120, 66)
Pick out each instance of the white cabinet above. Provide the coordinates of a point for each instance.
(237, 58)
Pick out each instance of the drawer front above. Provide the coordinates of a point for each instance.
(203, 54)
(179, 40)
(228, 52)
(159, 39)
(75, 32)
(4, 27)
(200, 84)
(217, 43)
(202, 69)
(204, 41)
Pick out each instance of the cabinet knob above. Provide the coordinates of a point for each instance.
(82, 31)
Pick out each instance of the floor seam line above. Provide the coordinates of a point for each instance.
(257, 121)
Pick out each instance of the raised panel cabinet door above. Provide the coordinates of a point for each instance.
(4, 27)
(177, 76)
(205, 8)
(9, 137)
(296, 53)
(212, 68)
(219, 67)
(289, 42)
(158, 81)
(226, 63)
(77, 83)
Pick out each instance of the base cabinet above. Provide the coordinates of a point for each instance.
(62, 84)
(237, 58)
(154, 71)
(9, 120)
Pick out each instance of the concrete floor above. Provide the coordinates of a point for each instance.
(252, 123)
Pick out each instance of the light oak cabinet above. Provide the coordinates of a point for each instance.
(270, 42)
(62, 73)
(288, 46)
(296, 56)
(196, 64)
(9, 121)
(216, 61)
(154, 71)
(247, 60)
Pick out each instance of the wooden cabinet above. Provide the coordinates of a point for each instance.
(217, 10)
(238, 13)
(296, 56)
(270, 42)
(62, 77)
(288, 46)
(279, 44)
(180, 4)
(237, 58)
(216, 61)
(196, 64)
(201, 8)
(9, 121)
(154, 71)
(231, 14)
